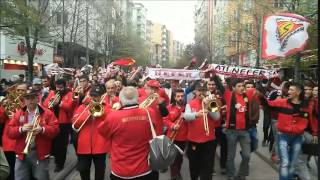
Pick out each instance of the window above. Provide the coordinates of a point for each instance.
(59, 18)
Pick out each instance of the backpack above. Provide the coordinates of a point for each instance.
(162, 150)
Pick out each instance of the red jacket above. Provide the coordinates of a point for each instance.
(129, 133)
(196, 132)
(66, 107)
(8, 144)
(240, 112)
(43, 140)
(171, 120)
(291, 123)
(89, 140)
(110, 102)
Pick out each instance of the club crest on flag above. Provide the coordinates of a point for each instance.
(286, 29)
(283, 34)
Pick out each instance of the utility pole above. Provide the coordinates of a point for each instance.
(87, 33)
(238, 35)
(63, 33)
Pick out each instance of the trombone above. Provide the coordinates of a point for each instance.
(30, 135)
(54, 100)
(96, 109)
(213, 105)
(174, 133)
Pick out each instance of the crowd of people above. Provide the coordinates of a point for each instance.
(102, 119)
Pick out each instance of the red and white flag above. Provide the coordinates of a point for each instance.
(283, 34)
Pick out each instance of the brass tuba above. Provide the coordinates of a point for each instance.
(150, 99)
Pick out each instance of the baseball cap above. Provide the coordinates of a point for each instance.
(153, 83)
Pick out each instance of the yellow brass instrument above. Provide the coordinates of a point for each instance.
(174, 133)
(214, 104)
(96, 109)
(76, 93)
(54, 100)
(150, 99)
(30, 135)
(11, 102)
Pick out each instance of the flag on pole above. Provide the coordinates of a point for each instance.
(128, 61)
(283, 34)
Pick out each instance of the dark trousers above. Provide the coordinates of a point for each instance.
(60, 144)
(84, 165)
(221, 139)
(201, 160)
(151, 176)
(11, 158)
(176, 166)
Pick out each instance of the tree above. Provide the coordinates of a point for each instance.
(27, 19)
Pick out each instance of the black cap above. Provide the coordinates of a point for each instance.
(96, 91)
(200, 87)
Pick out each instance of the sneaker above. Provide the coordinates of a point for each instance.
(223, 171)
(214, 173)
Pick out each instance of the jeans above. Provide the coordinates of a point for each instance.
(275, 133)
(253, 139)
(289, 147)
(301, 167)
(243, 137)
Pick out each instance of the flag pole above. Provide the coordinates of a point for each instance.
(297, 67)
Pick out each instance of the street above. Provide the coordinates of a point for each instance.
(261, 167)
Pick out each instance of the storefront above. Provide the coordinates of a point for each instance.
(14, 58)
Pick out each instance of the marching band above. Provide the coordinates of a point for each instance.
(108, 120)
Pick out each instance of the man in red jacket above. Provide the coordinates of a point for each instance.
(129, 132)
(36, 159)
(8, 144)
(91, 146)
(110, 98)
(201, 135)
(62, 108)
(177, 129)
(237, 125)
(294, 116)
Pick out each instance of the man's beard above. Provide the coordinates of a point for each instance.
(180, 103)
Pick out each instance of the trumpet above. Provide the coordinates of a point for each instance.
(30, 135)
(150, 99)
(54, 100)
(96, 109)
(76, 93)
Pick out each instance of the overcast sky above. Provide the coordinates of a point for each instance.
(177, 15)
